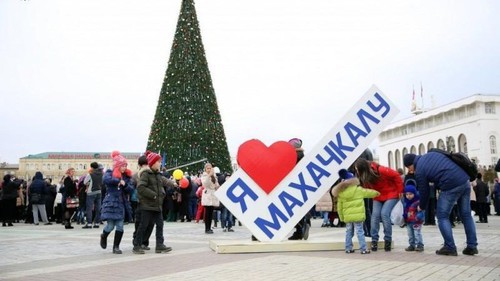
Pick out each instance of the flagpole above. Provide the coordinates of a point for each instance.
(422, 94)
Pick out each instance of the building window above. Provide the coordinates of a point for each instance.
(421, 149)
(440, 144)
(430, 145)
(489, 107)
(413, 149)
(493, 145)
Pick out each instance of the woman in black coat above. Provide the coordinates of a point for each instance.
(10, 192)
(69, 191)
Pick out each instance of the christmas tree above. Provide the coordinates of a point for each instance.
(187, 126)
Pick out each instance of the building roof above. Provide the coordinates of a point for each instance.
(80, 155)
(445, 108)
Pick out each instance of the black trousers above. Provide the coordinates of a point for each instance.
(482, 209)
(147, 233)
(9, 210)
(148, 217)
(209, 214)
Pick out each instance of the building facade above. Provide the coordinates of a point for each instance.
(470, 125)
(55, 164)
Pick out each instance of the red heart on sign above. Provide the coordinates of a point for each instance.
(267, 166)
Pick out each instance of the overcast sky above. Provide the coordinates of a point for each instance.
(86, 75)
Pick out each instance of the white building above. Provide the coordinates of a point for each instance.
(470, 125)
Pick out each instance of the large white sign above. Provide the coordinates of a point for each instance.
(271, 216)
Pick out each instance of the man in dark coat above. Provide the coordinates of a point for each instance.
(453, 183)
(482, 191)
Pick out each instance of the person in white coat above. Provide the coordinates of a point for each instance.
(208, 199)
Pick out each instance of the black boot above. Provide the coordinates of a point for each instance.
(296, 236)
(116, 243)
(104, 239)
(374, 246)
(387, 246)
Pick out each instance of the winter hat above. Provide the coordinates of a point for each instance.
(94, 165)
(296, 143)
(118, 160)
(345, 175)
(408, 159)
(152, 158)
(410, 188)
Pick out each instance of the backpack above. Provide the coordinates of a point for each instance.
(462, 160)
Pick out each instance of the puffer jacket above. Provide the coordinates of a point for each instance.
(350, 204)
(114, 203)
(38, 189)
(208, 197)
(439, 169)
(325, 203)
(150, 190)
(389, 183)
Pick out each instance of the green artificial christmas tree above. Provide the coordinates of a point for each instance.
(187, 126)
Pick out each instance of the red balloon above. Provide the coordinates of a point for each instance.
(183, 183)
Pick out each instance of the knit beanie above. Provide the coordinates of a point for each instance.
(408, 159)
(152, 158)
(345, 175)
(118, 159)
(297, 144)
(410, 188)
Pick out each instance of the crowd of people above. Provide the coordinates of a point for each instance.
(434, 189)
(364, 197)
(113, 198)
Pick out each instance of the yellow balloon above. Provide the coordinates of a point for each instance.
(178, 174)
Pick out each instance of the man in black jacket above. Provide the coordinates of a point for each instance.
(482, 191)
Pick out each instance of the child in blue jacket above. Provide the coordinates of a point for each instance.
(413, 219)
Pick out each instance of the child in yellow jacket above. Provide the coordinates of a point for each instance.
(351, 208)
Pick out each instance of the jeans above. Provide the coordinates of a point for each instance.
(192, 207)
(382, 212)
(111, 224)
(227, 218)
(94, 203)
(447, 198)
(349, 233)
(415, 235)
(326, 219)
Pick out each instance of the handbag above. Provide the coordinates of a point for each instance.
(72, 202)
(397, 214)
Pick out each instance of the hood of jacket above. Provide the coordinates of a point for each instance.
(343, 185)
(38, 176)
